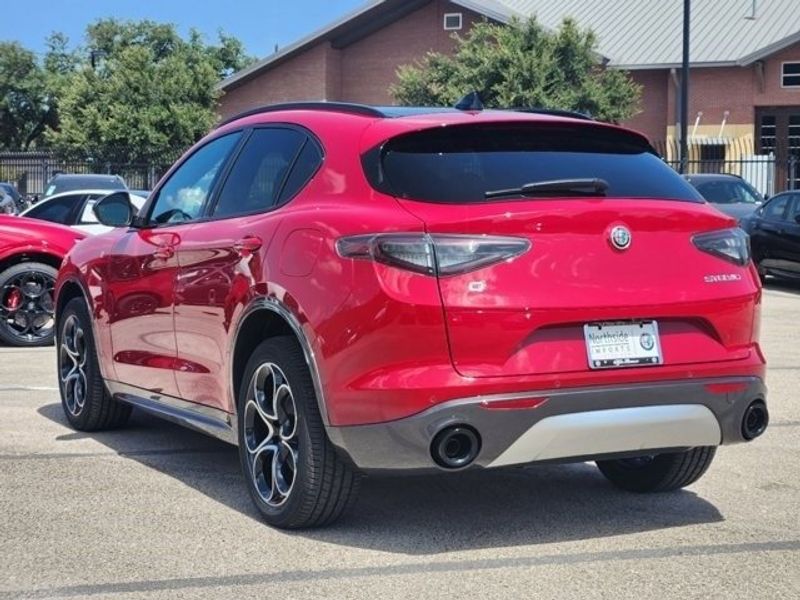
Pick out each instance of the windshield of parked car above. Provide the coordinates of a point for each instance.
(727, 192)
(87, 182)
(460, 164)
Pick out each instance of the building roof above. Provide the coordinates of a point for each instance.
(632, 34)
(646, 34)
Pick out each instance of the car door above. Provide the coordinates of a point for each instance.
(792, 235)
(221, 260)
(767, 234)
(143, 267)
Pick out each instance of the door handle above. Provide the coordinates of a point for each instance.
(247, 244)
(164, 252)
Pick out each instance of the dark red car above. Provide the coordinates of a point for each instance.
(343, 289)
(30, 254)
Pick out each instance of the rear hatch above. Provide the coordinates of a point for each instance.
(624, 255)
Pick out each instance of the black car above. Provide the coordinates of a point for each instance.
(64, 182)
(10, 190)
(775, 235)
(729, 193)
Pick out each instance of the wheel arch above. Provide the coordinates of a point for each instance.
(68, 291)
(70, 288)
(17, 258)
(263, 319)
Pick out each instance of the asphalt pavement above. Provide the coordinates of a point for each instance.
(156, 511)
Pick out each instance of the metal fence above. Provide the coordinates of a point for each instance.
(768, 172)
(30, 171)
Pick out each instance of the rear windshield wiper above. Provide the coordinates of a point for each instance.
(555, 187)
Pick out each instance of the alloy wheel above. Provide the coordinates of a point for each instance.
(270, 434)
(73, 355)
(27, 306)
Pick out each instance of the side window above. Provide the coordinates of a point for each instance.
(59, 210)
(182, 197)
(776, 208)
(794, 209)
(260, 172)
(304, 168)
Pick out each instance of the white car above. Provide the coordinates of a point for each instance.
(75, 209)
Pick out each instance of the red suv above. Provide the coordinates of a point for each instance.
(342, 289)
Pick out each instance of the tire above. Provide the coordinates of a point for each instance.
(26, 305)
(762, 272)
(87, 404)
(659, 473)
(293, 473)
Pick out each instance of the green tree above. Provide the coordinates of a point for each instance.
(26, 103)
(522, 64)
(149, 94)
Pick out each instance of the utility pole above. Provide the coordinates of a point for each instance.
(684, 114)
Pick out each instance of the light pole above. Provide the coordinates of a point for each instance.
(684, 114)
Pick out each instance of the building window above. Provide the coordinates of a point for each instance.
(767, 134)
(790, 75)
(455, 21)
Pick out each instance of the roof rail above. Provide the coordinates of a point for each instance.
(342, 107)
(556, 112)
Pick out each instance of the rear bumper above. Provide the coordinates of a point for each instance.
(573, 424)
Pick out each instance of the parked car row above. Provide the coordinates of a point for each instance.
(31, 252)
(33, 245)
(773, 226)
(74, 208)
(59, 184)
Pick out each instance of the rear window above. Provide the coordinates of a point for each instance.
(460, 164)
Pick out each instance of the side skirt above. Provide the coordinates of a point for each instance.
(205, 419)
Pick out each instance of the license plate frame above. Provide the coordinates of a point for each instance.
(623, 344)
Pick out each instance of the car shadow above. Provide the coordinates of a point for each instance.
(423, 515)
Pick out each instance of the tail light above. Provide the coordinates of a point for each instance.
(732, 245)
(433, 254)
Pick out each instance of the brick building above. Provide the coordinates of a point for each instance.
(745, 78)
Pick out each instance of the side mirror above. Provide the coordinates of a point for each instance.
(797, 218)
(115, 210)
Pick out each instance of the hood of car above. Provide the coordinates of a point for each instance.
(737, 210)
(33, 233)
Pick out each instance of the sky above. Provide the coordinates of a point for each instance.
(260, 24)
